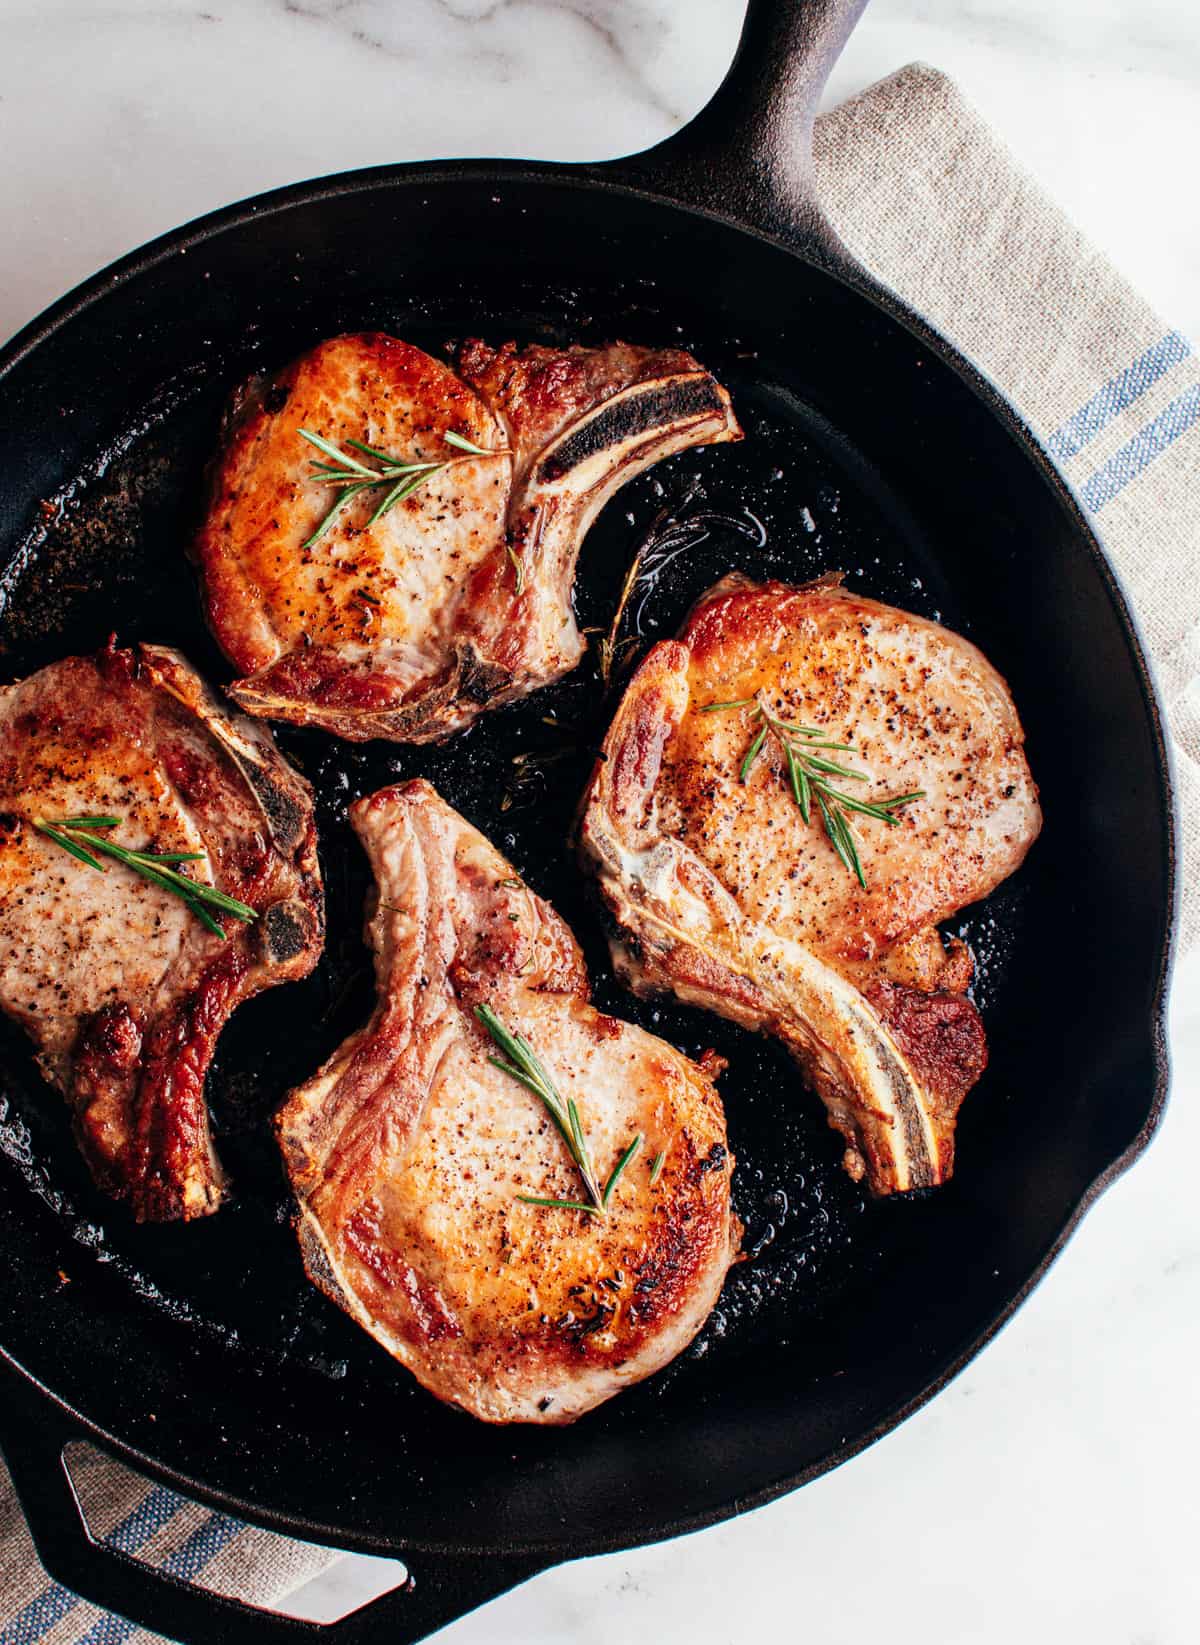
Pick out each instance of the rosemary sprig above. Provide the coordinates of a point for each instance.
(522, 1063)
(461, 443)
(78, 836)
(673, 531)
(351, 476)
(808, 774)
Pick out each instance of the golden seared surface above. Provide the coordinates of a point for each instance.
(724, 895)
(409, 1150)
(391, 588)
(923, 710)
(73, 940)
(121, 988)
(460, 595)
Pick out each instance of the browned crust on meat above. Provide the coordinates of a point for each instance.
(135, 1080)
(241, 503)
(742, 629)
(616, 1298)
(942, 1037)
(316, 686)
(670, 831)
(325, 635)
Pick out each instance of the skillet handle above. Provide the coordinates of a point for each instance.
(33, 1433)
(747, 155)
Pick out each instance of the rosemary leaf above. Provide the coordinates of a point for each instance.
(217, 899)
(798, 779)
(656, 1165)
(331, 450)
(403, 488)
(370, 451)
(68, 845)
(206, 919)
(834, 837)
(506, 1067)
(333, 471)
(340, 503)
(843, 840)
(461, 443)
(817, 764)
(619, 1167)
(609, 646)
(576, 1128)
(842, 748)
(752, 753)
(879, 810)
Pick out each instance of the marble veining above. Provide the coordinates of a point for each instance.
(623, 37)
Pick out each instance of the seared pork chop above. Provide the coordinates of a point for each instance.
(459, 597)
(121, 986)
(411, 1149)
(724, 895)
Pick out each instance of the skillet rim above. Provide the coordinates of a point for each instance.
(817, 247)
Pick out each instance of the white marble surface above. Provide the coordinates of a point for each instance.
(1049, 1494)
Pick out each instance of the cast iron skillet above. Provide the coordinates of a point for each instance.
(199, 1354)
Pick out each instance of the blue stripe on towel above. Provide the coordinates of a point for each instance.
(1125, 464)
(188, 1560)
(1119, 392)
(52, 1604)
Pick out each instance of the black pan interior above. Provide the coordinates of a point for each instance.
(203, 1347)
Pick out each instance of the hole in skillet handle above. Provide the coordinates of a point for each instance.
(36, 1438)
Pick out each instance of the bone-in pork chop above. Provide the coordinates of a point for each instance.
(724, 895)
(121, 985)
(458, 597)
(414, 1156)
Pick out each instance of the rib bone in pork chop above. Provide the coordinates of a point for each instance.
(409, 1149)
(723, 895)
(459, 597)
(122, 988)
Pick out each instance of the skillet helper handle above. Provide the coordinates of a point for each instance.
(33, 1435)
(748, 154)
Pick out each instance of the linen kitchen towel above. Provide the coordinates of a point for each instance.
(157, 1525)
(931, 202)
(928, 198)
